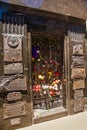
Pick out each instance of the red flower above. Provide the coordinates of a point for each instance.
(36, 88)
(56, 74)
(52, 92)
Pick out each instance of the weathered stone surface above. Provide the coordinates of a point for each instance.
(72, 7)
(78, 72)
(78, 49)
(78, 105)
(13, 68)
(78, 94)
(15, 121)
(79, 83)
(78, 61)
(14, 96)
(76, 37)
(12, 48)
(17, 84)
(14, 109)
(12, 83)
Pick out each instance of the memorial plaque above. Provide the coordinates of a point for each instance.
(78, 105)
(77, 84)
(17, 84)
(13, 68)
(14, 96)
(14, 109)
(78, 49)
(12, 48)
(15, 121)
(78, 60)
(78, 72)
(78, 94)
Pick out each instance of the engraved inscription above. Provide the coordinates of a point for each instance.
(78, 105)
(77, 84)
(15, 121)
(13, 68)
(78, 73)
(78, 94)
(78, 49)
(12, 48)
(14, 109)
(14, 96)
(78, 60)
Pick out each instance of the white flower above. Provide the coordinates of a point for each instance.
(45, 86)
(55, 87)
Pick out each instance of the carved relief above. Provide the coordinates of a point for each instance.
(13, 68)
(14, 109)
(14, 96)
(78, 60)
(78, 72)
(12, 48)
(78, 49)
(77, 84)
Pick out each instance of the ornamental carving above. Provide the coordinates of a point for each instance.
(78, 49)
(12, 48)
(78, 60)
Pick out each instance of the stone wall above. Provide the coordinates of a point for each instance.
(76, 8)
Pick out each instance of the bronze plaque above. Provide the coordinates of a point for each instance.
(14, 96)
(77, 84)
(12, 48)
(78, 49)
(17, 84)
(78, 60)
(78, 72)
(14, 109)
(13, 68)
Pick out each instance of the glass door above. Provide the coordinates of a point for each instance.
(47, 73)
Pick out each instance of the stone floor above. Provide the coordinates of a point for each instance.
(74, 122)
